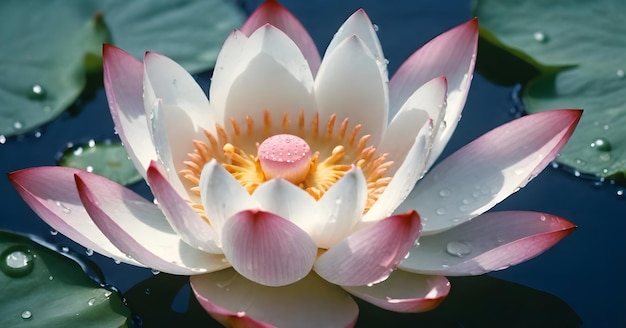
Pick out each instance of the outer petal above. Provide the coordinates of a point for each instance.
(192, 228)
(409, 172)
(227, 68)
(270, 65)
(238, 302)
(340, 209)
(490, 168)
(370, 254)
(350, 84)
(123, 83)
(492, 241)
(222, 196)
(452, 54)
(427, 102)
(405, 292)
(138, 228)
(272, 12)
(51, 192)
(267, 249)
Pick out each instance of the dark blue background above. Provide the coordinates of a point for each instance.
(584, 270)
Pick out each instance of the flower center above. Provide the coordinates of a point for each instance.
(285, 156)
(310, 156)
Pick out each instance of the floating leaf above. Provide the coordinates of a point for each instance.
(105, 158)
(45, 47)
(584, 36)
(41, 288)
(49, 46)
(189, 32)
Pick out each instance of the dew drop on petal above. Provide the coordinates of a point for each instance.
(37, 92)
(458, 248)
(53, 232)
(3, 139)
(91, 301)
(444, 192)
(89, 251)
(155, 271)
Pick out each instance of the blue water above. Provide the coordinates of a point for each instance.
(575, 283)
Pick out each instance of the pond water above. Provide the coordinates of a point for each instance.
(576, 283)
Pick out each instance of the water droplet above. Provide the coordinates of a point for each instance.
(444, 192)
(107, 294)
(597, 184)
(3, 139)
(601, 144)
(458, 248)
(17, 261)
(91, 301)
(147, 291)
(620, 193)
(155, 271)
(53, 232)
(116, 261)
(37, 92)
(17, 125)
(555, 165)
(63, 207)
(620, 73)
(440, 211)
(65, 249)
(27, 315)
(375, 27)
(338, 201)
(89, 251)
(540, 37)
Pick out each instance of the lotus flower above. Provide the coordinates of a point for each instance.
(278, 196)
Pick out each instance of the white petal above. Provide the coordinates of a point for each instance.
(409, 172)
(360, 25)
(272, 75)
(222, 195)
(340, 209)
(351, 85)
(427, 102)
(285, 199)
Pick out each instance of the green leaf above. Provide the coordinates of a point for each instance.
(588, 38)
(49, 46)
(105, 158)
(189, 32)
(45, 45)
(41, 288)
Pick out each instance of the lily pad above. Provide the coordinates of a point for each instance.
(189, 32)
(41, 288)
(106, 158)
(586, 37)
(46, 46)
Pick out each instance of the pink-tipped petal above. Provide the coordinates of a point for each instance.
(139, 229)
(238, 302)
(492, 241)
(410, 171)
(358, 24)
(267, 248)
(192, 228)
(272, 12)
(452, 54)
(222, 196)
(271, 75)
(351, 85)
(340, 209)
(123, 83)
(490, 168)
(51, 192)
(357, 261)
(427, 102)
(405, 292)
